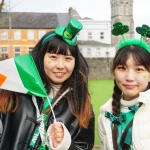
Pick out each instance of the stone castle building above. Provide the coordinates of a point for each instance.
(122, 11)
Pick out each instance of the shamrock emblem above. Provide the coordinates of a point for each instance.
(119, 29)
(144, 30)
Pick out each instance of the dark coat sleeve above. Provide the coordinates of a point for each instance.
(84, 138)
(81, 138)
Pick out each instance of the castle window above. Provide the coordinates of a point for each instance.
(30, 49)
(41, 33)
(88, 52)
(17, 51)
(17, 34)
(98, 52)
(4, 52)
(89, 35)
(4, 34)
(30, 34)
(101, 35)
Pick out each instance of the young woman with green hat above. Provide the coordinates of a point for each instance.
(28, 122)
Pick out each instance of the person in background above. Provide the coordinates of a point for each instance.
(69, 124)
(124, 120)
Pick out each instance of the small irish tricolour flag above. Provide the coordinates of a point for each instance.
(20, 74)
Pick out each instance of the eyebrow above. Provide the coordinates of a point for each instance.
(68, 55)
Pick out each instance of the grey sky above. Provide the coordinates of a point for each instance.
(96, 9)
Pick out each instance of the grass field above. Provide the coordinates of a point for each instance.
(101, 91)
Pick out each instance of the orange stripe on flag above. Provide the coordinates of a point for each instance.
(2, 79)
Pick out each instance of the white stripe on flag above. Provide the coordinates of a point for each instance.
(13, 81)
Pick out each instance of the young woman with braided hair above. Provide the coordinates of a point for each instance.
(124, 119)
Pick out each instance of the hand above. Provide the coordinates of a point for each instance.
(57, 134)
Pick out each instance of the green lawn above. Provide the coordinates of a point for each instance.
(101, 91)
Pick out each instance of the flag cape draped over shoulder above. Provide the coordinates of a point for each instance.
(19, 74)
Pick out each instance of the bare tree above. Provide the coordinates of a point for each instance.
(1, 5)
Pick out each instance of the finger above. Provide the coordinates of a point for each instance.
(59, 135)
(54, 142)
(59, 140)
(58, 129)
(57, 124)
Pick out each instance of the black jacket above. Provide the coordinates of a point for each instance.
(18, 127)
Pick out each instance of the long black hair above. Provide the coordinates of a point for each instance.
(78, 97)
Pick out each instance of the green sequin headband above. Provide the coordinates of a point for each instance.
(120, 29)
(68, 33)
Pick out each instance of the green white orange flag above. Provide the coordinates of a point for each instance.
(20, 74)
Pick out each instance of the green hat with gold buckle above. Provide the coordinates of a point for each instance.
(68, 33)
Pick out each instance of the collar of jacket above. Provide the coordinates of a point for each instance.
(144, 97)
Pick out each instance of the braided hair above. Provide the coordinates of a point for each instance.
(140, 56)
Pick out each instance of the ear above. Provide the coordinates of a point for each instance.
(149, 77)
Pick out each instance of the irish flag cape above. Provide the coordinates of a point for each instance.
(20, 74)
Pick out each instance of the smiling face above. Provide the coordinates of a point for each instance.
(58, 67)
(131, 78)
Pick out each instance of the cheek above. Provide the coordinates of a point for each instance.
(119, 77)
(49, 61)
(47, 64)
(143, 79)
(70, 66)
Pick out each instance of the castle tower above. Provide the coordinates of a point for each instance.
(122, 11)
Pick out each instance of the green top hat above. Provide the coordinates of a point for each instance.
(69, 33)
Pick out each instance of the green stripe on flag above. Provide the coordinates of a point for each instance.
(29, 75)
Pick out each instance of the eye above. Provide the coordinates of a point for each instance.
(121, 67)
(52, 56)
(140, 69)
(68, 58)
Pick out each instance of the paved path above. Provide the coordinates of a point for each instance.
(96, 148)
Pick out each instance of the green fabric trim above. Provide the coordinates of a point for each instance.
(128, 42)
(43, 117)
(48, 37)
(29, 75)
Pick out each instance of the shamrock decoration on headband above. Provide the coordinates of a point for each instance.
(120, 29)
(68, 33)
(144, 30)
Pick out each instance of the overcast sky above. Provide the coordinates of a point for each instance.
(95, 9)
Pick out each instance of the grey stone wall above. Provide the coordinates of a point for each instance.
(100, 68)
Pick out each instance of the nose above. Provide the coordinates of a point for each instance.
(60, 64)
(130, 75)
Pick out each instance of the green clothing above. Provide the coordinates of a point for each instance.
(43, 118)
(123, 125)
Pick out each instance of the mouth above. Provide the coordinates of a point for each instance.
(130, 86)
(59, 74)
